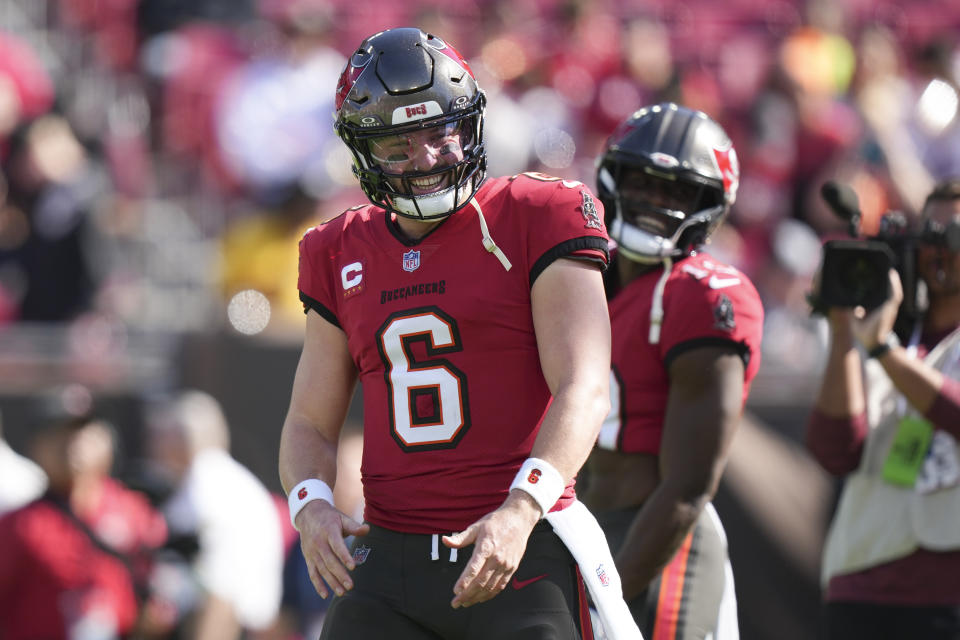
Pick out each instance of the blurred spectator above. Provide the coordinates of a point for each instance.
(58, 578)
(272, 114)
(26, 89)
(48, 256)
(883, 96)
(122, 519)
(21, 479)
(238, 556)
(190, 66)
(935, 123)
(911, 107)
(255, 252)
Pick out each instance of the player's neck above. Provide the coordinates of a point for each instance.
(629, 270)
(414, 229)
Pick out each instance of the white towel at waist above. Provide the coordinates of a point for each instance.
(583, 536)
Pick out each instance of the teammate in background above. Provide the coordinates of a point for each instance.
(472, 312)
(686, 333)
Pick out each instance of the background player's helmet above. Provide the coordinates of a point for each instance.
(400, 81)
(672, 150)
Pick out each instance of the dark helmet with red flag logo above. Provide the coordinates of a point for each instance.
(400, 89)
(667, 179)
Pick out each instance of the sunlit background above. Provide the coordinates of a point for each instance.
(161, 158)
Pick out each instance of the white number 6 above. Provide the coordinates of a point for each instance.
(432, 382)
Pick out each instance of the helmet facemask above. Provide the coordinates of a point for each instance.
(382, 163)
(657, 214)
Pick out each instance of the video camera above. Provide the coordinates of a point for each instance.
(854, 271)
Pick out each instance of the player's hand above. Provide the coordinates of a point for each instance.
(500, 540)
(322, 532)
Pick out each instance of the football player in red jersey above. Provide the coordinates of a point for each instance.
(686, 333)
(471, 310)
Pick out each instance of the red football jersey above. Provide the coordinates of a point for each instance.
(53, 577)
(442, 336)
(704, 302)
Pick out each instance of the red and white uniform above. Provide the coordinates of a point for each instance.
(442, 336)
(705, 302)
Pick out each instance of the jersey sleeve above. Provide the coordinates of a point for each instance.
(314, 274)
(565, 220)
(713, 311)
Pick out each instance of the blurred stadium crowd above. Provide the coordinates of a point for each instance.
(159, 159)
(159, 156)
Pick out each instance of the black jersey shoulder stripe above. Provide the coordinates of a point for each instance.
(707, 341)
(564, 249)
(310, 303)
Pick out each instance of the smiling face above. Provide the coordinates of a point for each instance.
(420, 157)
(657, 204)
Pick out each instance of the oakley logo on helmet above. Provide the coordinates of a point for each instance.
(416, 112)
(664, 160)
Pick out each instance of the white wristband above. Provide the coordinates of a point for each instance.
(542, 481)
(307, 491)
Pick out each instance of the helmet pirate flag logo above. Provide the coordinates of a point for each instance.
(723, 314)
(589, 210)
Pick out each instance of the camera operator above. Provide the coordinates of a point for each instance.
(886, 418)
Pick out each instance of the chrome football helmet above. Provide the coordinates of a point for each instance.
(667, 179)
(401, 86)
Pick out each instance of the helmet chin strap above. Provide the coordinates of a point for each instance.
(487, 239)
(639, 245)
(647, 248)
(429, 206)
(656, 307)
(436, 205)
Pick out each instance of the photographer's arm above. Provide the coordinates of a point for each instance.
(837, 426)
(916, 380)
(925, 388)
(841, 391)
(928, 390)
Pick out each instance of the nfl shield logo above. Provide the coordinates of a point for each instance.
(411, 260)
(602, 575)
(360, 554)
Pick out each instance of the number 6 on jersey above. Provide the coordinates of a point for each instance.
(427, 398)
